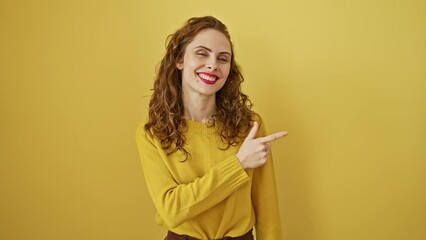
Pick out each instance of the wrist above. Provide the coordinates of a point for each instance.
(241, 162)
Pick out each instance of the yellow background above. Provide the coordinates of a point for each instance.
(345, 78)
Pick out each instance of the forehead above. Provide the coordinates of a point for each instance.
(212, 39)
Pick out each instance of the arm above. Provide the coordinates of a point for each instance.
(265, 201)
(177, 203)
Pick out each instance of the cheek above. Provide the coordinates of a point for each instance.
(193, 62)
(189, 67)
(226, 71)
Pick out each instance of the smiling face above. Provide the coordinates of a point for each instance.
(206, 63)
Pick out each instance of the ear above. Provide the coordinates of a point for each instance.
(179, 64)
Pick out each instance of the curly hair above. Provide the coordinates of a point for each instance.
(233, 117)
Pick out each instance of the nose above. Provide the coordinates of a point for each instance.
(211, 63)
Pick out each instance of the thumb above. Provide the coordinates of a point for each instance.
(253, 131)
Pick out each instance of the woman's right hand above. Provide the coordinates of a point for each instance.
(254, 151)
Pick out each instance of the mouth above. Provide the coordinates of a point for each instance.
(207, 78)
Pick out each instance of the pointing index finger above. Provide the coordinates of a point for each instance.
(272, 137)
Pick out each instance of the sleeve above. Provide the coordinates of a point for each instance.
(177, 203)
(265, 201)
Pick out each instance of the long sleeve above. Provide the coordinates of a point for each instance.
(179, 202)
(265, 202)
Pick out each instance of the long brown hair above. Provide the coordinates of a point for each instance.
(166, 110)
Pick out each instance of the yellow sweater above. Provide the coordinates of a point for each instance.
(209, 195)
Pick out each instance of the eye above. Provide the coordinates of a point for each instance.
(201, 53)
(223, 59)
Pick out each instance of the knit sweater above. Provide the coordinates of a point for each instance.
(209, 195)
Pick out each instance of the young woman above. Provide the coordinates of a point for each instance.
(205, 159)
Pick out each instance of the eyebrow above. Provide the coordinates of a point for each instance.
(208, 49)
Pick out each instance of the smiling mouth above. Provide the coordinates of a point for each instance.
(207, 78)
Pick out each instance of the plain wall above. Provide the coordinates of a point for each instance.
(346, 79)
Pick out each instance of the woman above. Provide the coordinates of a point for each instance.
(208, 171)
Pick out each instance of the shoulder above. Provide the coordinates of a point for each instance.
(140, 128)
(258, 118)
(142, 135)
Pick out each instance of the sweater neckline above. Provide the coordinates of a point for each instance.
(200, 126)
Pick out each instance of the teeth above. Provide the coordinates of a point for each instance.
(207, 77)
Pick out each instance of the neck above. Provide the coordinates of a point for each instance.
(199, 108)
